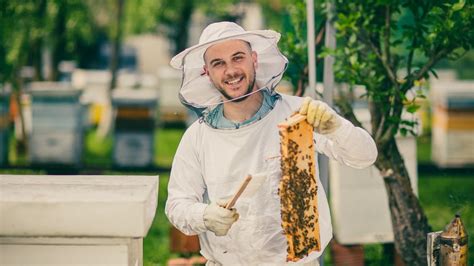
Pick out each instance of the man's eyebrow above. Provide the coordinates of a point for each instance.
(238, 53)
(215, 60)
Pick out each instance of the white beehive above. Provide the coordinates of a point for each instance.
(75, 220)
(57, 124)
(452, 142)
(135, 119)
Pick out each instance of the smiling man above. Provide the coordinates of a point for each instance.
(230, 66)
(229, 79)
(235, 69)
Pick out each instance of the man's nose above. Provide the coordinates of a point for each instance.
(230, 69)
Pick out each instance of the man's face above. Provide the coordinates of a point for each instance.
(231, 66)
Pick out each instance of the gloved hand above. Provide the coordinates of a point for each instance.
(323, 118)
(219, 219)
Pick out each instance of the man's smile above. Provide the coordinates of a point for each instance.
(234, 81)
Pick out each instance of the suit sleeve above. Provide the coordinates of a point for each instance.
(350, 145)
(185, 204)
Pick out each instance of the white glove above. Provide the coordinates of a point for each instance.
(323, 118)
(219, 219)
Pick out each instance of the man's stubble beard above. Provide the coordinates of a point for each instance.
(249, 90)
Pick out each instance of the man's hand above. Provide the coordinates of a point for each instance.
(219, 219)
(323, 118)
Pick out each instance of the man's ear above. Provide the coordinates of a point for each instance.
(205, 71)
(255, 59)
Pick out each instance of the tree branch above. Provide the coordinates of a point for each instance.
(433, 60)
(346, 110)
(391, 74)
(387, 129)
(410, 56)
(386, 36)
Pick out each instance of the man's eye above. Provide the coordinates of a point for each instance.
(238, 58)
(216, 64)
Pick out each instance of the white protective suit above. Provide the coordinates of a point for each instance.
(211, 163)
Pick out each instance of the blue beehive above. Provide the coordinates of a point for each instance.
(135, 119)
(57, 124)
(4, 131)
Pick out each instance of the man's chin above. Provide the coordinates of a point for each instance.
(240, 98)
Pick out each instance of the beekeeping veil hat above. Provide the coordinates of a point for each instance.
(197, 91)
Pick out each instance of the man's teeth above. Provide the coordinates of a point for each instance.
(233, 81)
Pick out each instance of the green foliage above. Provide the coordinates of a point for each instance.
(17, 26)
(294, 44)
(389, 46)
(79, 22)
(289, 18)
(141, 16)
(27, 25)
(174, 17)
(463, 66)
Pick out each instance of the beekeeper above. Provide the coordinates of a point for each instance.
(229, 80)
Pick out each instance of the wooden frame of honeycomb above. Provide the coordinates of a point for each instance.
(298, 188)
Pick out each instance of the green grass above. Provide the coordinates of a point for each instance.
(423, 149)
(97, 150)
(167, 141)
(156, 243)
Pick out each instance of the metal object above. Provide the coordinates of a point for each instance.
(453, 244)
(449, 247)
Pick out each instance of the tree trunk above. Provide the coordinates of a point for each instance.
(181, 35)
(37, 41)
(410, 225)
(22, 144)
(115, 51)
(59, 43)
(36, 61)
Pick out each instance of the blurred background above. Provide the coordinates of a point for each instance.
(86, 88)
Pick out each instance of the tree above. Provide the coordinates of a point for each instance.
(69, 24)
(174, 17)
(292, 17)
(390, 47)
(19, 26)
